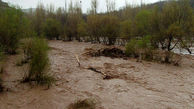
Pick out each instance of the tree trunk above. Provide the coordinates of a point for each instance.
(189, 50)
(169, 43)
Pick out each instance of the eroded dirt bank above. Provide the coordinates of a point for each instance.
(134, 85)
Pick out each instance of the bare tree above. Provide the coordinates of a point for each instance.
(73, 19)
(94, 6)
(40, 15)
(110, 5)
(51, 11)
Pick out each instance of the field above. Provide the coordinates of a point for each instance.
(133, 85)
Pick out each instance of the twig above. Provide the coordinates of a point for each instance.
(95, 70)
(77, 58)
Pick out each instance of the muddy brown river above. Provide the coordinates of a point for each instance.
(145, 85)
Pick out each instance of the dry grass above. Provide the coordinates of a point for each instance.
(83, 104)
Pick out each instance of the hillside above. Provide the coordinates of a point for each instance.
(161, 3)
(3, 4)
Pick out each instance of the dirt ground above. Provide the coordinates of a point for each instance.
(135, 85)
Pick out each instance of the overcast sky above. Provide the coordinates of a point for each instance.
(85, 3)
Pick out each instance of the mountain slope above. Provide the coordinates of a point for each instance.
(3, 4)
(161, 3)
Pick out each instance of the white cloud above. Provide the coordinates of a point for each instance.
(85, 3)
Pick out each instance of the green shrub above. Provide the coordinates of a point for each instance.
(143, 50)
(39, 53)
(26, 45)
(131, 48)
(14, 26)
(39, 62)
(140, 47)
(145, 42)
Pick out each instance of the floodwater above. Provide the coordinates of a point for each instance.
(145, 85)
(183, 51)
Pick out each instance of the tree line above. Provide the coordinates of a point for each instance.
(169, 26)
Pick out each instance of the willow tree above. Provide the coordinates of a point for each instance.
(110, 6)
(142, 23)
(39, 18)
(171, 24)
(50, 11)
(73, 18)
(110, 28)
(13, 27)
(94, 6)
(126, 29)
(52, 28)
(94, 27)
(82, 30)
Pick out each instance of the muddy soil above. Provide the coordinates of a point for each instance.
(134, 85)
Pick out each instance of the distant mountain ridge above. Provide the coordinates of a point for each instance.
(161, 3)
